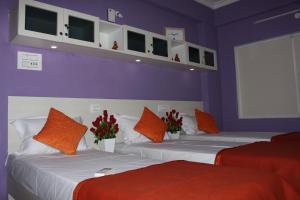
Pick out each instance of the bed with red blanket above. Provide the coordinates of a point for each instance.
(292, 137)
(282, 159)
(178, 180)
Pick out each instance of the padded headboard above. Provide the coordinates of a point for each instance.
(22, 107)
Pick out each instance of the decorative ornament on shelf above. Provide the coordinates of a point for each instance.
(175, 33)
(173, 123)
(115, 45)
(177, 59)
(105, 129)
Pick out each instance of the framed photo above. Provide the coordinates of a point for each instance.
(175, 33)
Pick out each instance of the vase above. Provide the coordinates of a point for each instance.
(108, 145)
(174, 136)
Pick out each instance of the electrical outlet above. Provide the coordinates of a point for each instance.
(163, 108)
(95, 108)
(29, 61)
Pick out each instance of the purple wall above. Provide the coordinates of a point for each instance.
(242, 31)
(74, 75)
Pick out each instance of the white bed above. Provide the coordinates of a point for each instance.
(191, 150)
(30, 177)
(233, 136)
(55, 176)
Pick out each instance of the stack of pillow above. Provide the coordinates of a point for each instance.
(58, 132)
(151, 128)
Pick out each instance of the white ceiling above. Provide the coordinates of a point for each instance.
(215, 4)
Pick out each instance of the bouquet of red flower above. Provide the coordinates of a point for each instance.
(104, 127)
(173, 121)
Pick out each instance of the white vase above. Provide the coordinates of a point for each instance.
(174, 136)
(108, 145)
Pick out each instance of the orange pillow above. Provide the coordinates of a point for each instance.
(206, 122)
(151, 126)
(61, 132)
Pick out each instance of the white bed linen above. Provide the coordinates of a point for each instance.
(191, 150)
(55, 176)
(233, 136)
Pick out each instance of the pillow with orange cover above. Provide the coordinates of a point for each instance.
(151, 126)
(206, 122)
(61, 132)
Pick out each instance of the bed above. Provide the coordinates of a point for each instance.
(57, 176)
(291, 137)
(20, 107)
(281, 158)
(232, 136)
(192, 150)
(54, 176)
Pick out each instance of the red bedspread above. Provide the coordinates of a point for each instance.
(180, 180)
(292, 137)
(281, 158)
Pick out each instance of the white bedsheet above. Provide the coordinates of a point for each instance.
(191, 150)
(233, 136)
(55, 176)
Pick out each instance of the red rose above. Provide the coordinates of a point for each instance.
(105, 113)
(116, 128)
(105, 118)
(92, 130)
(101, 133)
(98, 130)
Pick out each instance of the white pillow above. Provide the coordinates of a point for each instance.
(130, 136)
(28, 127)
(189, 125)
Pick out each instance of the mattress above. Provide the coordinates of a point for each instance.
(55, 176)
(190, 150)
(233, 136)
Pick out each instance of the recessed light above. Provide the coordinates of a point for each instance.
(138, 60)
(53, 47)
(192, 69)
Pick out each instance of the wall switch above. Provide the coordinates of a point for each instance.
(95, 108)
(29, 61)
(163, 108)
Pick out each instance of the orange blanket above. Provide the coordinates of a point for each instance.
(292, 137)
(281, 158)
(179, 180)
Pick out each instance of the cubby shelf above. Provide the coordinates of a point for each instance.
(42, 25)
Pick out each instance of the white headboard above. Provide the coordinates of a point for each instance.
(22, 107)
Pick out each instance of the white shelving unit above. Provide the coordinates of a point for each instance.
(80, 29)
(43, 21)
(194, 55)
(42, 25)
(30, 18)
(209, 58)
(159, 46)
(178, 48)
(110, 33)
